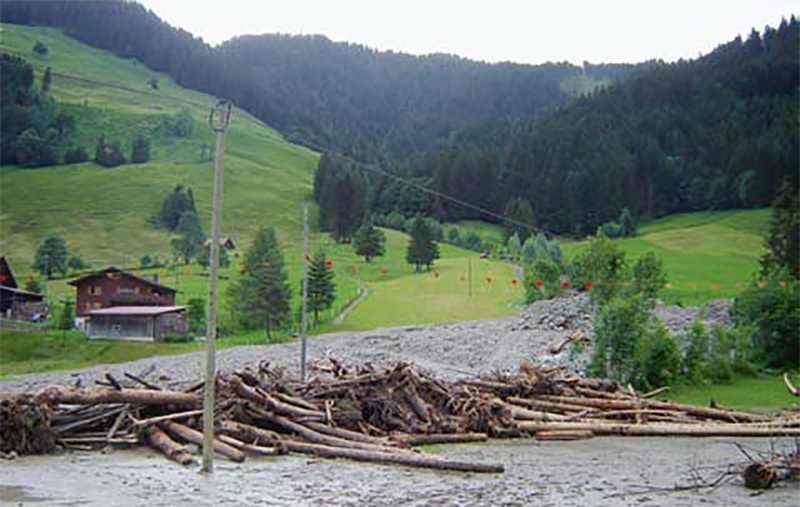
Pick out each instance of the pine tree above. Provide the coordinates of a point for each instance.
(518, 218)
(422, 249)
(51, 256)
(783, 241)
(140, 152)
(261, 295)
(369, 241)
(321, 289)
(47, 81)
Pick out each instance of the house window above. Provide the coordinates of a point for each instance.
(136, 290)
(124, 290)
(95, 290)
(96, 306)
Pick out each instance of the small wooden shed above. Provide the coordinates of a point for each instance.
(141, 323)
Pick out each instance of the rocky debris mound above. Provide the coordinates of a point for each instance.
(678, 318)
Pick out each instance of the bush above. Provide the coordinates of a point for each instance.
(649, 276)
(696, 353)
(542, 281)
(613, 230)
(774, 309)
(659, 359)
(75, 155)
(619, 326)
(603, 265)
(39, 48)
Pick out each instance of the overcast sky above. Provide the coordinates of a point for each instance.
(492, 30)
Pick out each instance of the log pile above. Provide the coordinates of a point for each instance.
(362, 415)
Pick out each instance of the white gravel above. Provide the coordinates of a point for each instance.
(449, 351)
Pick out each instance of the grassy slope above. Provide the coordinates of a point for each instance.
(102, 212)
(716, 251)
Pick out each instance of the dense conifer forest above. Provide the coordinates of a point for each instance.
(580, 144)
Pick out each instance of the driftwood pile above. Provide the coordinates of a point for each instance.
(363, 415)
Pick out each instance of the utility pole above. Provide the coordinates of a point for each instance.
(305, 294)
(218, 119)
(469, 276)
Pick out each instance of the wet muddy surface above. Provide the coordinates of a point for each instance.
(600, 471)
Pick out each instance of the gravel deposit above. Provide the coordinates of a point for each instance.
(449, 351)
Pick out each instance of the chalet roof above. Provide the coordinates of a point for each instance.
(137, 310)
(6, 275)
(115, 271)
(21, 292)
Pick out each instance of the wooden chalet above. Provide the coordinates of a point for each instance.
(116, 304)
(224, 243)
(16, 303)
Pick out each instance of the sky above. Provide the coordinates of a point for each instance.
(523, 31)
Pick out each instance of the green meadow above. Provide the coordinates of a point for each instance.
(707, 256)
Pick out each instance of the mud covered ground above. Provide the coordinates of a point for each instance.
(601, 471)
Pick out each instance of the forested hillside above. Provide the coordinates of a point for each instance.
(718, 132)
(580, 145)
(371, 105)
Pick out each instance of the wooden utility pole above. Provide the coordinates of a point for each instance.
(469, 276)
(218, 119)
(305, 295)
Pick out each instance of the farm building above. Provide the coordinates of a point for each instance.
(116, 304)
(16, 303)
(147, 323)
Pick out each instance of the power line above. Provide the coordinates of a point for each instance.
(370, 167)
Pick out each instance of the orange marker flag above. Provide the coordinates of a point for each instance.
(668, 285)
(539, 284)
(329, 263)
(488, 279)
(513, 281)
(715, 285)
(589, 285)
(565, 284)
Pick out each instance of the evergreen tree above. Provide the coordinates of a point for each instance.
(47, 81)
(518, 218)
(66, 320)
(783, 241)
(627, 223)
(261, 295)
(342, 199)
(369, 241)
(108, 154)
(196, 315)
(51, 256)
(191, 239)
(140, 152)
(321, 289)
(176, 204)
(422, 250)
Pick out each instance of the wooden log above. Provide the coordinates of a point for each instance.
(99, 440)
(441, 438)
(252, 449)
(792, 389)
(159, 440)
(546, 406)
(93, 395)
(707, 412)
(320, 438)
(114, 427)
(661, 429)
(196, 437)
(402, 458)
(80, 423)
(348, 435)
(167, 417)
(563, 435)
(143, 382)
(656, 392)
(292, 400)
(518, 412)
(275, 405)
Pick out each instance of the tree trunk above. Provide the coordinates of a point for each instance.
(93, 395)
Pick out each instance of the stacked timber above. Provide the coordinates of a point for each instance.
(365, 415)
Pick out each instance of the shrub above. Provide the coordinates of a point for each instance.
(618, 328)
(659, 359)
(774, 309)
(649, 276)
(542, 281)
(603, 265)
(75, 155)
